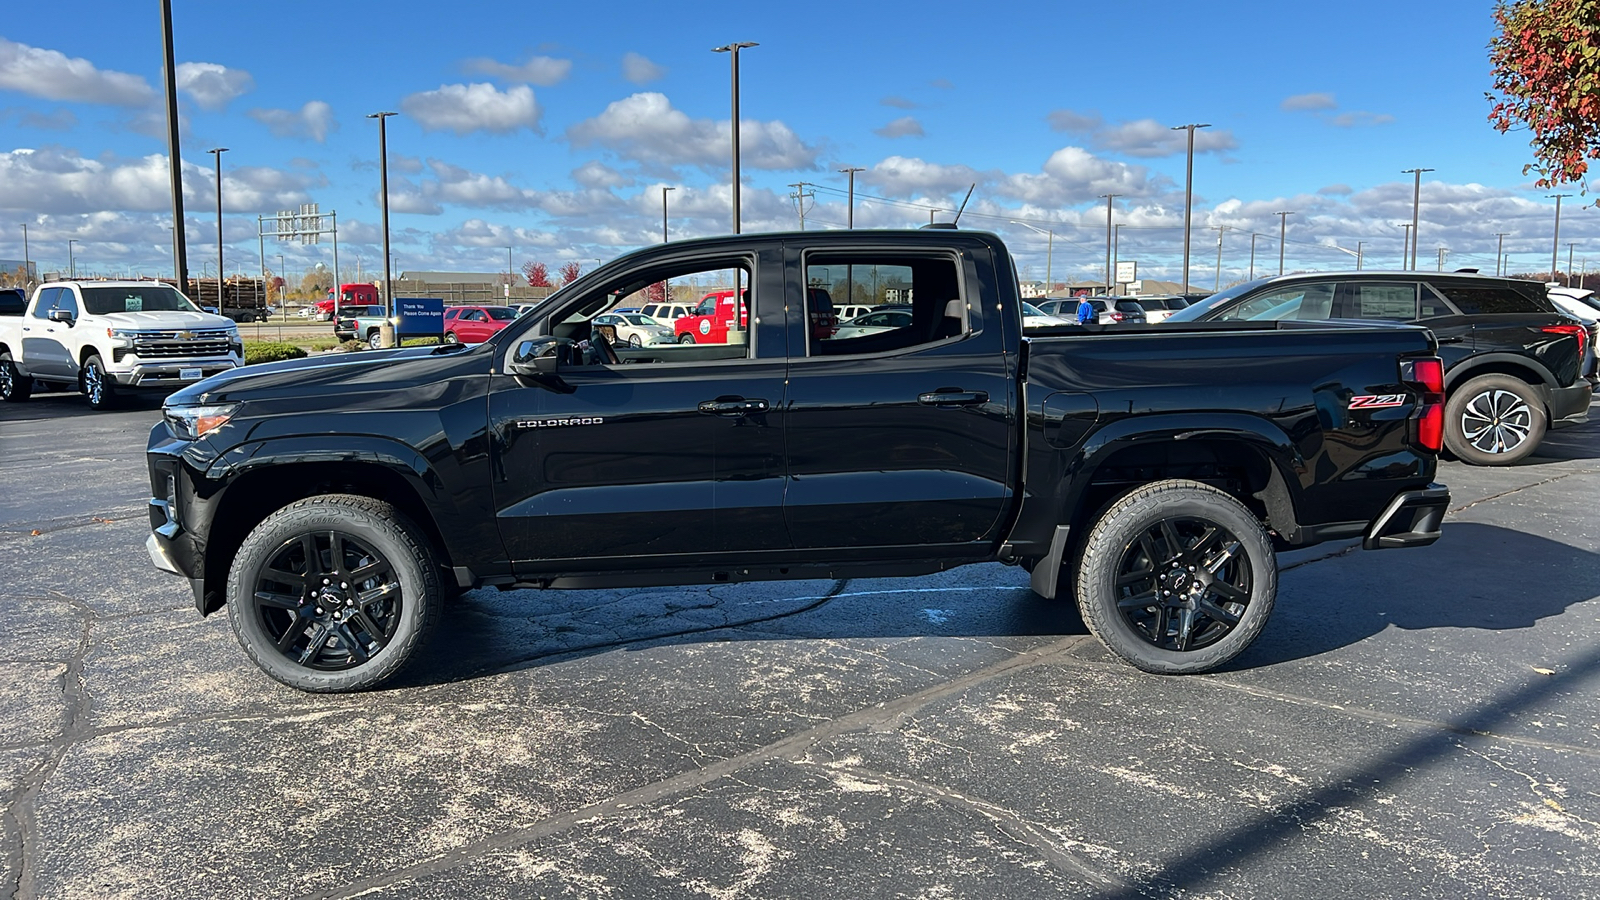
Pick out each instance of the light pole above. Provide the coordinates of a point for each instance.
(180, 258)
(1110, 285)
(1416, 203)
(1555, 246)
(1049, 250)
(1442, 252)
(1116, 244)
(664, 213)
(217, 152)
(27, 265)
(850, 214)
(72, 265)
(511, 274)
(1188, 198)
(734, 49)
(383, 188)
(1499, 250)
(283, 277)
(1569, 264)
(1253, 237)
(1405, 245)
(1283, 228)
(1221, 230)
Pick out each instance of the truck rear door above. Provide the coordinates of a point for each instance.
(900, 438)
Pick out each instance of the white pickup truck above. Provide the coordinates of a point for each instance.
(103, 337)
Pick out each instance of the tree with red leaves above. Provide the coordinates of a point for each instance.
(657, 292)
(1546, 67)
(569, 273)
(537, 274)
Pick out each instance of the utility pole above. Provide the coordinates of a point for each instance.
(1283, 228)
(1555, 247)
(1499, 249)
(383, 181)
(180, 258)
(1405, 246)
(850, 213)
(1111, 289)
(800, 196)
(217, 153)
(1416, 201)
(1253, 237)
(733, 50)
(1359, 245)
(1569, 264)
(664, 213)
(1442, 252)
(1188, 198)
(27, 265)
(1217, 286)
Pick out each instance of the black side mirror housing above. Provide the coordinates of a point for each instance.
(538, 357)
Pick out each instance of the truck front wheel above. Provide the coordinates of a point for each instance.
(14, 386)
(1177, 577)
(98, 386)
(334, 593)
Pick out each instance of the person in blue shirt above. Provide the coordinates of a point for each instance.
(1086, 312)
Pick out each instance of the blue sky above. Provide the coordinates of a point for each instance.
(551, 128)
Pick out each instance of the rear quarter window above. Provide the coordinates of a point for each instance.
(1475, 300)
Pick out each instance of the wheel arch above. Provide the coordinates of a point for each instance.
(273, 476)
(1519, 367)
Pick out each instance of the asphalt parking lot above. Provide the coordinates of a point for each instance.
(1421, 723)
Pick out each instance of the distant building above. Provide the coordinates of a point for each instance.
(467, 287)
(9, 268)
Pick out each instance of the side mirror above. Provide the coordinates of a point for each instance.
(539, 356)
(61, 315)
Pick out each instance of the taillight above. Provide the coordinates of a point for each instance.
(1116, 317)
(1429, 374)
(1577, 331)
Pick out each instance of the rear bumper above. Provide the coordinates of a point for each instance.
(1570, 405)
(1411, 519)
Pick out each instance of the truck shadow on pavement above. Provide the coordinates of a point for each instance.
(1477, 576)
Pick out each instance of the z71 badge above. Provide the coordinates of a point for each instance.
(1377, 401)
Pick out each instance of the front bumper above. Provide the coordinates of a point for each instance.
(1570, 405)
(171, 374)
(1411, 519)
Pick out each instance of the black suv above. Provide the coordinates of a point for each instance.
(1514, 363)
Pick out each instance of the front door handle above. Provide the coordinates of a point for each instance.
(953, 397)
(732, 406)
(1452, 340)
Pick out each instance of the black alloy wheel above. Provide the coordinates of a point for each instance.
(1177, 577)
(98, 386)
(14, 386)
(333, 593)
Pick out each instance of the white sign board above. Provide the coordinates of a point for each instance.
(1135, 287)
(1127, 271)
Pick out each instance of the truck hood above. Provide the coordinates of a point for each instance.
(364, 370)
(166, 320)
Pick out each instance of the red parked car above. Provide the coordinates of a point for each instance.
(474, 324)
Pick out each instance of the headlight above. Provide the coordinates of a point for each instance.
(121, 337)
(190, 423)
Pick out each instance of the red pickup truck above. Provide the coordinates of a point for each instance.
(713, 318)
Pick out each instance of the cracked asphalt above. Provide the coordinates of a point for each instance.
(1420, 723)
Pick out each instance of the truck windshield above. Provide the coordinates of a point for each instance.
(98, 301)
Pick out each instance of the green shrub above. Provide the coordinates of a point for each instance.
(270, 351)
(352, 345)
(323, 346)
(419, 341)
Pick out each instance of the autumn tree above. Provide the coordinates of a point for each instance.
(657, 292)
(569, 273)
(1546, 68)
(537, 274)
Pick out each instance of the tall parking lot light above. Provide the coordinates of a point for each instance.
(1555, 245)
(1499, 250)
(27, 265)
(734, 49)
(383, 189)
(217, 153)
(1283, 229)
(664, 213)
(1416, 204)
(72, 264)
(180, 258)
(850, 212)
(1111, 288)
(1188, 197)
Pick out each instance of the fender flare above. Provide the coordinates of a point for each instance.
(1468, 368)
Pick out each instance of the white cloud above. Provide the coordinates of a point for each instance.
(1359, 118)
(902, 176)
(596, 174)
(465, 108)
(1149, 138)
(905, 126)
(645, 127)
(314, 120)
(55, 76)
(1067, 120)
(1308, 102)
(1073, 175)
(56, 120)
(541, 70)
(211, 85)
(455, 185)
(898, 103)
(640, 70)
(55, 180)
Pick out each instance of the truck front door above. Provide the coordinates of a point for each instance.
(899, 439)
(46, 345)
(672, 454)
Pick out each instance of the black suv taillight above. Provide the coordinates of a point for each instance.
(1577, 331)
(1428, 374)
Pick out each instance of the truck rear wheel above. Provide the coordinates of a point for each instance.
(334, 593)
(14, 386)
(1177, 578)
(97, 385)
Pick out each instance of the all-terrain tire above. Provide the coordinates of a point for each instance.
(1177, 577)
(348, 619)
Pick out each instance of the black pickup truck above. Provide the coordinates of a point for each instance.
(333, 504)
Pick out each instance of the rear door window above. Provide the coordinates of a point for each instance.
(1396, 301)
(1488, 299)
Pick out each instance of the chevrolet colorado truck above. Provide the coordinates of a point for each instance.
(332, 504)
(105, 337)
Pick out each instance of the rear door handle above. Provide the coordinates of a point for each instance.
(1452, 340)
(732, 406)
(953, 397)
